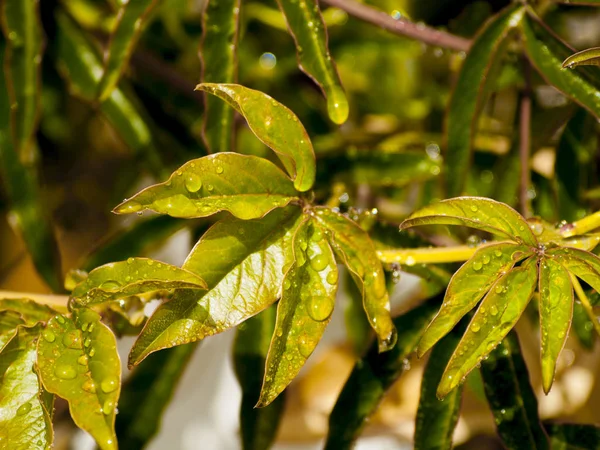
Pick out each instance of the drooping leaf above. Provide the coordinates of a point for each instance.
(556, 312)
(547, 52)
(436, 419)
(146, 395)
(475, 212)
(588, 57)
(275, 125)
(246, 186)
(496, 316)
(25, 409)
(372, 376)
(511, 397)
(304, 311)
(218, 50)
(584, 265)
(78, 361)
(23, 59)
(258, 425)
(356, 250)
(468, 95)
(309, 31)
(567, 436)
(468, 285)
(241, 262)
(131, 20)
(132, 277)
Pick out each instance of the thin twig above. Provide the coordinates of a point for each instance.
(402, 27)
(525, 140)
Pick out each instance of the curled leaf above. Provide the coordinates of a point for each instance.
(589, 57)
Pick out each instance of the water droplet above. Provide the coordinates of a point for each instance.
(287, 284)
(87, 342)
(83, 360)
(474, 208)
(49, 336)
(92, 352)
(110, 285)
(60, 319)
(475, 327)
(72, 339)
(219, 170)
(320, 308)
(317, 234)
(130, 207)
(485, 259)
(497, 253)
(499, 289)
(331, 277)
(319, 262)
(85, 326)
(305, 345)
(494, 311)
(210, 187)
(24, 409)
(89, 386)
(91, 327)
(561, 334)
(65, 372)
(477, 266)
(337, 106)
(108, 407)
(109, 384)
(410, 261)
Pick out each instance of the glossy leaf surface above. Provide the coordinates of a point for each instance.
(468, 285)
(556, 312)
(218, 50)
(584, 265)
(511, 397)
(78, 361)
(588, 57)
(132, 277)
(475, 212)
(24, 420)
(9, 323)
(304, 311)
(468, 97)
(241, 262)
(30, 311)
(308, 29)
(246, 186)
(356, 250)
(275, 125)
(496, 316)
(130, 22)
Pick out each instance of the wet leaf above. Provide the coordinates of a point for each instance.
(147, 394)
(511, 397)
(584, 265)
(131, 19)
(241, 262)
(246, 186)
(218, 50)
(468, 285)
(308, 29)
(258, 425)
(78, 361)
(475, 212)
(556, 312)
(25, 410)
(588, 57)
(547, 53)
(9, 323)
(133, 277)
(496, 316)
(304, 311)
(567, 436)
(275, 125)
(354, 248)
(372, 376)
(468, 96)
(31, 312)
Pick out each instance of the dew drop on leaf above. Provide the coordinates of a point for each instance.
(48, 336)
(477, 266)
(331, 277)
(24, 409)
(83, 360)
(60, 319)
(474, 208)
(65, 372)
(475, 327)
(89, 386)
(110, 285)
(219, 170)
(108, 407)
(305, 345)
(320, 308)
(72, 340)
(109, 384)
(494, 310)
(319, 262)
(337, 106)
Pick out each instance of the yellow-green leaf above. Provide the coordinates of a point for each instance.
(132, 277)
(9, 323)
(588, 57)
(25, 409)
(246, 186)
(31, 312)
(242, 263)
(275, 125)
(355, 248)
(78, 361)
(304, 311)
(556, 313)
(309, 31)
(475, 212)
(584, 265)
(496, 316)
(468, 285)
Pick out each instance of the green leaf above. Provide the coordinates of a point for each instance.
(588, 57)
(511, 397)
(547, 52)
(218, 50)
(31, 312)
(23, 60)
(556, 312)
(246, 186)
(566, 436)
(9, 323)
(25, 418)
(496, 316)
(241, 262)
(131, 19)
(436, 419)
(358, 328)
(304, 311)
(583, 327)
(468, 285)
(308, 29)
(258, 425)
(475, 212)
(275, 125)
(78, 361)
(356, 250)
(135, 276)
(372, 376)
(584, 265)
(468, 95)
(146, 395)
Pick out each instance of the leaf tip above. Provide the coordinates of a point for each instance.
(127, 207)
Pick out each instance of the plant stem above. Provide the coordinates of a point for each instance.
(434, 255)
(582, 226)
(58, 302)
(525, 140)
(401, 27)
(586, 303)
